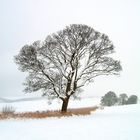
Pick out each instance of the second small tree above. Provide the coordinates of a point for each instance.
(109, 99)
(122, 100)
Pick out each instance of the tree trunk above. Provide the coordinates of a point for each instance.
(65, 105)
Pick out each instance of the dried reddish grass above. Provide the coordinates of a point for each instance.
(45, 114)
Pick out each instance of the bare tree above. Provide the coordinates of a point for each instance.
(66, 61)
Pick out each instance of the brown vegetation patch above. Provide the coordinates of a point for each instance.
(45, 114)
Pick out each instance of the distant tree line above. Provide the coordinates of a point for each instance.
(110, 99)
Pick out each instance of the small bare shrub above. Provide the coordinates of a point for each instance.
(7, 110)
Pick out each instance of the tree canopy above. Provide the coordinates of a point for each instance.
(66, 61)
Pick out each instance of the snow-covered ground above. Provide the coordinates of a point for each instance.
(111, 123)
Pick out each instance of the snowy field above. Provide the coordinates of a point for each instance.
(111, 123)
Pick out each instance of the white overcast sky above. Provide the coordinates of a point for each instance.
(25, 21)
